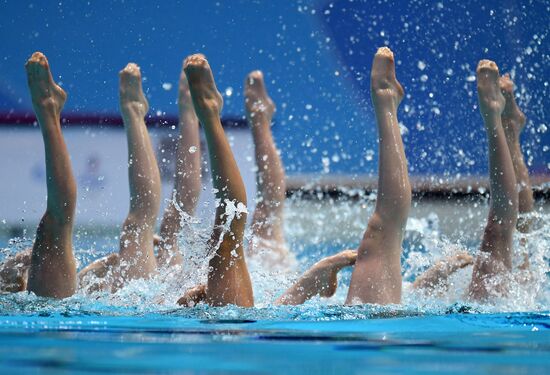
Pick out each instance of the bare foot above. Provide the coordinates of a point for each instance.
(325, 272)
(258, 104)
(132, 99)
(14, 272)
(385, 89)
(206, 98)
(491, 100)
(193, 296)
(321, 279)
(439, 273)
(47, 96)
(513, 118)
(97, 276)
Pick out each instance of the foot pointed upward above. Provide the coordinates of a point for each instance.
(132, 99)
(513, 118)
(46, 95)
(206, 98)
(491, 100)
(385, 89)
(258, 104)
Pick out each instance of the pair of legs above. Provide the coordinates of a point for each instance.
(509, 181)
(268, 240)
(511, 192)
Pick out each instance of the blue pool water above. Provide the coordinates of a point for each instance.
(76, 342)
(140, 329)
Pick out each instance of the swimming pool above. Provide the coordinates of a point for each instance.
(141, 330)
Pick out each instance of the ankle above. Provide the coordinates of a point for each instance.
(132, 109)
(384, 106)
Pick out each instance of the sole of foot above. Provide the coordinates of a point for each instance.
(491, 100)
(45, 93)
(206, 97)
(384, 85)
(131, 91)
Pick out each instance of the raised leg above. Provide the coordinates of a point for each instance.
(187, 182)
(321, 279)
(267, 221)
(513, 122)
(53, 269)
(228, 278)
(137, 259)
(377, 274)
(494, 260)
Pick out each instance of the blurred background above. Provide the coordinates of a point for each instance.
(316, 56)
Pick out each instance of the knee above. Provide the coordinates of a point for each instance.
(374, 234)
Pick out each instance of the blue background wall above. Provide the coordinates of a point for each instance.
(316, 56)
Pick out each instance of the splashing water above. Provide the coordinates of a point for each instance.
(314, 229)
